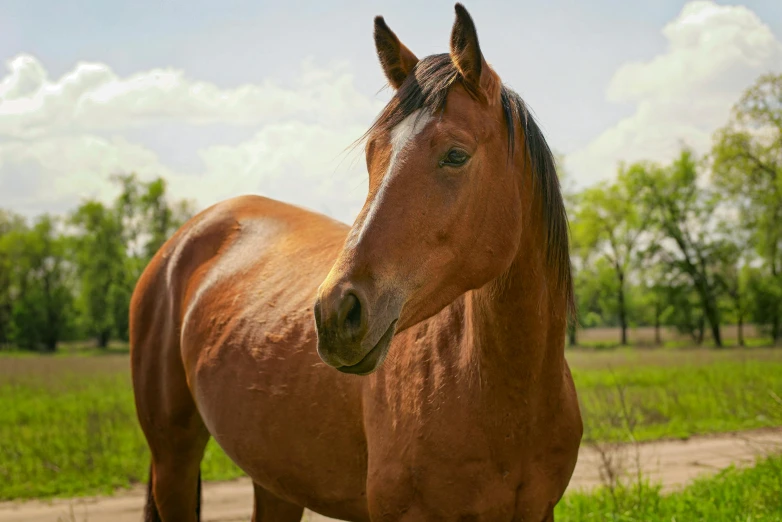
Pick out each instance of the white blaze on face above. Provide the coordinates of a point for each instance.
(404, 132)
(401, 136)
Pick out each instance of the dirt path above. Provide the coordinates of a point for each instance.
(674, 463)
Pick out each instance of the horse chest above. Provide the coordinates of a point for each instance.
(451, 459)
(463, 490)
(433, 483)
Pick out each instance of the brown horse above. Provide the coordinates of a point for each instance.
(451, 289)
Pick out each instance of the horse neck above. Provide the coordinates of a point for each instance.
(519, 319)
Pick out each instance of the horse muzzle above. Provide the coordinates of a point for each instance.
(354, 329)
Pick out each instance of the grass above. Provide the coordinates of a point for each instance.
(68, 424)
(637, 395)
(68, 427)
(733, 495)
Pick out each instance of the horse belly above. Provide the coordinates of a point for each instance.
(290, 422)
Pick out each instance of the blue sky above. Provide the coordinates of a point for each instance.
(572, 61)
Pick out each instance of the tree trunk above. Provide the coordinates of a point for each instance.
(710, 310)
(5, 315)
(776, 327)
(776, 320)
(572, 333)
(657, 338)
(701, 328)
(103, 340)
(741, 330)
(622, 311)
(52, 328)
(705, 291)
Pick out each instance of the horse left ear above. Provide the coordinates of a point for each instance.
(396, 59)
(477, 75)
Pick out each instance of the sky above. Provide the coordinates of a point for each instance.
(236, 97)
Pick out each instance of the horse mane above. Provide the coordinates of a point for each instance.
(427, 88)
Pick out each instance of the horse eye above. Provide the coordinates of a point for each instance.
(454, 158)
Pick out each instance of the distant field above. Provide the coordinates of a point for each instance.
(632, 394)
(68, 425)
(644, 336)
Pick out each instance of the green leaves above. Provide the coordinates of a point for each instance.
(606, 226)
(100, 255)
(747, 167)
(663, 227)
(112, 245)
(73, 278)
(38, 277)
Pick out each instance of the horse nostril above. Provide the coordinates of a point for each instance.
(353, 320)
(350, 314)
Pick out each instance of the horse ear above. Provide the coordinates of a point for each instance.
(477, 75)
(396, 59)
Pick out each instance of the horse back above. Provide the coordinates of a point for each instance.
(246, 256)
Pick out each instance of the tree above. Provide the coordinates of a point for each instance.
(731, 273)
(570, 195)
(42, 297)
(655, 294)
(144, 219)
(681, 211)
(688, 317)
(51, 282)
(738, 290)
(747, 165)
(596, 289)
(608, 223)
(147, 216)
(762, 295)
(100, 258)
(9, 223)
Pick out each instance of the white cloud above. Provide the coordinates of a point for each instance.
(53, 174)
(295, 162)
(92, 97)
(60, 141)
(714, 52)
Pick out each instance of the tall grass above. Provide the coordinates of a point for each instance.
(653, 402)
(68, 427)
(733, 495)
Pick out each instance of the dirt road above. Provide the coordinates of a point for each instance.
(673, 463)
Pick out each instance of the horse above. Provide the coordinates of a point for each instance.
(410, 367)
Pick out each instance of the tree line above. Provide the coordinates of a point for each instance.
(71, 277)
(694, 245)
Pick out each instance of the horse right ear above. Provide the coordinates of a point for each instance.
(396, 59)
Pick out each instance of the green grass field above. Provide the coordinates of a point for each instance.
(636, 395)
(733, 495)
(68, 424)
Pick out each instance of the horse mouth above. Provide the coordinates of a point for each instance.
(374, 357)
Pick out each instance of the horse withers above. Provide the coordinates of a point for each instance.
(410, 367)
